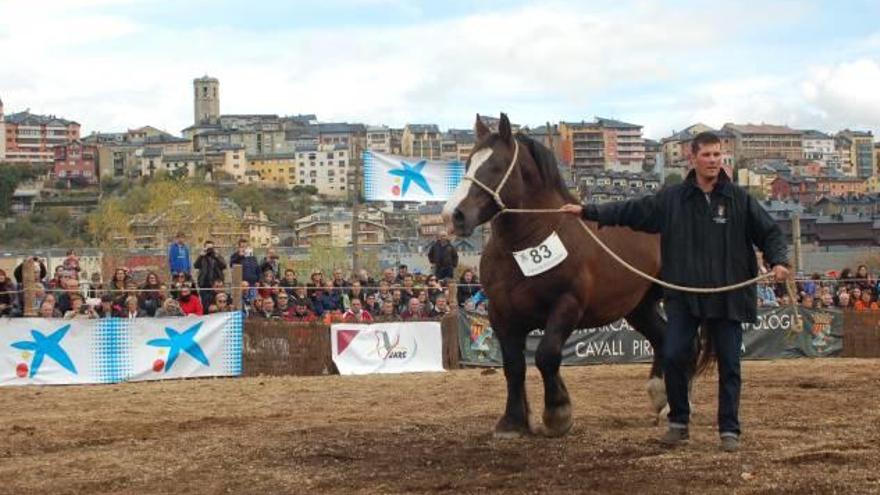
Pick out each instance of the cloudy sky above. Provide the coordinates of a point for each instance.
(116, 64)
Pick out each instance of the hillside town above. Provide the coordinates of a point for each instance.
(827, 177)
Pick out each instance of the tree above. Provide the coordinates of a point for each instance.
(176, 205)
(324, 256)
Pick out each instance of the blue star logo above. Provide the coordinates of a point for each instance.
(178, 342)
(43, 346)
(412, 173)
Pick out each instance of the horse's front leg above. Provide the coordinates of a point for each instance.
(515, 421)
(557, 403)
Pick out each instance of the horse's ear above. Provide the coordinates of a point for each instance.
(481, 129)
(504, 129)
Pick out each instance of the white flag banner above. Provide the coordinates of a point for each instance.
(37, 351)
(397, 178)
(387, 347)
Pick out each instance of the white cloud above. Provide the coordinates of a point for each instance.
(545, 61)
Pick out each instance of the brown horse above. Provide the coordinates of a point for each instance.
(586, 289)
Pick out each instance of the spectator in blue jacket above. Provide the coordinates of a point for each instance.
(178, 256)
(250, 267)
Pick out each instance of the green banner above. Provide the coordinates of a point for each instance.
(772, 336)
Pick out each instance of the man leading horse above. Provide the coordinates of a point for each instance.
(708, 226)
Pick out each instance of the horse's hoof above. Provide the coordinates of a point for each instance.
(557, 421)
(507, 430)
(507, 434)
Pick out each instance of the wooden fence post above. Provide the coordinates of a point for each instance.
(29, 280)
(453, 295)
(236, 287)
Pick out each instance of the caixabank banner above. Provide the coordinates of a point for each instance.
(400, 347)
(37, 351)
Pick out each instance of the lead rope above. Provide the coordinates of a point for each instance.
(696, 290)
(502, 208)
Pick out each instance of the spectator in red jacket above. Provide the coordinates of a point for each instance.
(301, 312)
(357, 314)
(190, 304)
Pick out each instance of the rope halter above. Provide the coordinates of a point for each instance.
(496, 193)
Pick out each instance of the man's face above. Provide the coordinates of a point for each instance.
(290, 276)
(707, 161)
(356, 305)
(414, 305)
(268, 304)
(441, 303)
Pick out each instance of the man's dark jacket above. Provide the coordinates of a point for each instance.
(443, 255)
(210, 267)
(704, 243)
(250, 268)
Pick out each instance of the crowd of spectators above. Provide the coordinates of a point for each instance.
(268, 290)
(849, 290)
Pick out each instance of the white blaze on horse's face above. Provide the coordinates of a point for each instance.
(461, 192)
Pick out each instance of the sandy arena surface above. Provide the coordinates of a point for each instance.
(810, 426)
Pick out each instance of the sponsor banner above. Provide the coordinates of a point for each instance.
(772, 336)
(60, 352)
(387, 347)
(397, 178)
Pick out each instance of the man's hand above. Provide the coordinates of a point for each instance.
(781, 273)
(572, 208)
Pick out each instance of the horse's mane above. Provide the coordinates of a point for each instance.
(546, 162)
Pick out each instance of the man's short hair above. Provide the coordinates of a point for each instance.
(702, 138)
(242, 241)
(208, 242)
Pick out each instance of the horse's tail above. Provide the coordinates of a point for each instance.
(705, 350)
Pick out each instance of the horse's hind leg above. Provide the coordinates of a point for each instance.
(515, 421)
(647, 320)
(548, 358)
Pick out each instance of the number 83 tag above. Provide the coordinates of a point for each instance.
(536, 260)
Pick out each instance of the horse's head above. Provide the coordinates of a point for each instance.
(480, 195)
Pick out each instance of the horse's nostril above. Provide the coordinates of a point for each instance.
(457, 216)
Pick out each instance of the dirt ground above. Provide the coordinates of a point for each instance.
(810, 426)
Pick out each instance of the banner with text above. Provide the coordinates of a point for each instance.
(772, 336)
(360, 349)
(37, 351)
(397, 178)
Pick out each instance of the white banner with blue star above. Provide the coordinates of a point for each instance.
(397, 178)
(59, 352)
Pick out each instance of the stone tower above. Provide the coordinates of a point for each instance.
(206, 100)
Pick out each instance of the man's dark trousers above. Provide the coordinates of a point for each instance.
(679, 349)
